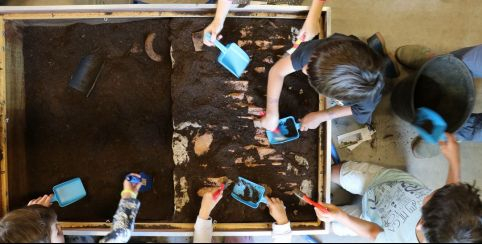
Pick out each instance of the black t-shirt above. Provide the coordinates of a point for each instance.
(362, 111)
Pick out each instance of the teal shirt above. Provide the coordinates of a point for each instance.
(394, 202)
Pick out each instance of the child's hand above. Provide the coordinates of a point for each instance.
(450, 149)
(270, 121)
(43, 201)
(214, 29)
(313, 120)
(130, 189)
(208, 203)
(277, 210)
(334, 213)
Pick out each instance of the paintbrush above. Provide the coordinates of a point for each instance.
(308, 200)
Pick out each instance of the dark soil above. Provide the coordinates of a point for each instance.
(199, 95)
(124, 126)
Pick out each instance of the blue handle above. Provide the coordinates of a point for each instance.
(216, 43)
(54, 199)
(263, 200)
(298, 125)
(133, 179)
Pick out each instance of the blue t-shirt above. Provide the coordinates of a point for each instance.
(363, 110)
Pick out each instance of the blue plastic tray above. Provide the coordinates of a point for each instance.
(245, 189)
(69, 192)
(288, 130)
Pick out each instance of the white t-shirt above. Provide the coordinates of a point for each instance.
(394, 202)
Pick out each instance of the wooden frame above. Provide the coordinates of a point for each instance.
(11, 80)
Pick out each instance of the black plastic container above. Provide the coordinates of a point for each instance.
(444, 84)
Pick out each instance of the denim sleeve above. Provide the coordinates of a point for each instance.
(471, 130)
(472, 57)
(123, 223)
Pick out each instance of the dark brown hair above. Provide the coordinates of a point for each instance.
(453, 214)
(347, 70)
(27, 225)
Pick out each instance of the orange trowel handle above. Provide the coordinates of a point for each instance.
(218, 192)
(315, 204)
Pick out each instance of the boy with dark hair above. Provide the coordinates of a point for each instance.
(397, 207)
(340, 67)
(454, 220)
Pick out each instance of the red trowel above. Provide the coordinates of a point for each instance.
(308, 200)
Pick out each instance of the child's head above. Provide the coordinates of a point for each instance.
(347, 70)
(453, 213)
(34, 224)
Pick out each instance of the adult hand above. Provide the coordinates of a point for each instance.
(270, 121)
(208, 203)
(334, 213)
(450, 149)
(214, 29)
(43, 201)
(130, 189)
(277, 210)
(313, 120)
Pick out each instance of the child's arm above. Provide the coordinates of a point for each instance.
(312, 25)
(450, 150)
(359, 226)
(282, 226)
(203, 229)
(276, 77)
(313, 120)
(125, 216)
(217, 25)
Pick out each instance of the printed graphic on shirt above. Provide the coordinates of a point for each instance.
(390, 204)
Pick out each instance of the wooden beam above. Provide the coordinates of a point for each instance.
(3, 124)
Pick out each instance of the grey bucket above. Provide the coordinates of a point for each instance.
(443, 84)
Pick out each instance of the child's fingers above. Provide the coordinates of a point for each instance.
(270, 201)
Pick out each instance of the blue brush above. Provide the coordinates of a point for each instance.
(145, 180)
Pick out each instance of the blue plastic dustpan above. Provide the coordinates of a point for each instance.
(68, 192)
(232, 57)
(288, 130)
(145, 179)
(249, 193)
(430, 125)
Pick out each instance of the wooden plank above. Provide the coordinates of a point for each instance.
(3, 124)
(114, 15)
(278, 9)
(15, 114)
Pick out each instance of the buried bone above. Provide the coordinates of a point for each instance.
(149, 47)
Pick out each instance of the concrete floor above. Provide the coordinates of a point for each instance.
(443, 25)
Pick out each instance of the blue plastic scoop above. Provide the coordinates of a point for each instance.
(288, 130)
(232, 57)
(430, 125)
(249, 193)
(68, 192)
